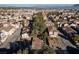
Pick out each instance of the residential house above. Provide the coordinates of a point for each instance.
(69, 31)
(52, 31)
(55, 42)
(37, 43)
(26, 36)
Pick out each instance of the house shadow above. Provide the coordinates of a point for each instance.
(66, 36)
(72, 50)
(63, 36)
(60, 51)
(3, 50)
(14, 47)
(76, 29)
(69, 50)
(7, 51)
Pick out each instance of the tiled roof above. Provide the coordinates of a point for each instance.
(55, 43)
(6, 28)
(69, 29)
(37, 43)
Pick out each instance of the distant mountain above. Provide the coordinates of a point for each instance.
(76, 5)
(34, 5)
(37, 6)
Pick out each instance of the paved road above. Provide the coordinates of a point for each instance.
(12, 38)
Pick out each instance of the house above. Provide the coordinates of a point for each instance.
(55, 42)
(76, 22)
(52, 31)
(69, 31)
(1, 25)
(26, 36)
(37, 43)
(6, 31)
(48, 23)
(3, 36)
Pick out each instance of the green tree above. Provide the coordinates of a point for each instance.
(25, 51)
(76, 38)
(38, 24)
(19, 51)
(44, 37)
(46, 50)
(22, 22)
(22, 51)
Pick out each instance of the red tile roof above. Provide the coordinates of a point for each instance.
(37, 43)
